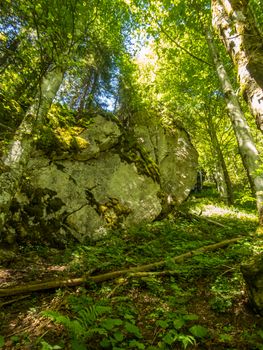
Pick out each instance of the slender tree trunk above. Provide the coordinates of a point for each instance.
(90, 96)
(222, 176)
(17, 157)
(218, 177)
(247, 149)
(85, 89)
(244, 43)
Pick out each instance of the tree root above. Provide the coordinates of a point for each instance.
(138, 271)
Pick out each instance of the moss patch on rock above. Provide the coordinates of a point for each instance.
(132, 152)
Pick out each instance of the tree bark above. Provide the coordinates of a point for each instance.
(244, 43)
(17, 157)
(72, 282)
(224, 181)
(247, 149)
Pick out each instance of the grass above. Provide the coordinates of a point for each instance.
(203, 306)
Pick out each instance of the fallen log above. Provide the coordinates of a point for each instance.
(73, 282)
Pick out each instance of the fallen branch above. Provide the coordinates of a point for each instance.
(152, 274)
(8, 302)
(73, 282)
(200, 218)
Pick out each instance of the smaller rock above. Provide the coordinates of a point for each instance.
(253, 275)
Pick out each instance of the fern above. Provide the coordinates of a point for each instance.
(84, 326)
(75, 328)
(90, 314)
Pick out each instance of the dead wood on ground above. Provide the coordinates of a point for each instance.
(130, 272)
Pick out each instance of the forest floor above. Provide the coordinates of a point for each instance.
(201, 303)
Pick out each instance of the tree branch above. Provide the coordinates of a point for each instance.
(131, 272)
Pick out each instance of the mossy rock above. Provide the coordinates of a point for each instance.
(253, 275)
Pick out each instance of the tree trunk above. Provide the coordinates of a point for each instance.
(222, 176)
(244, 43)
(247, 149)
(16, 159)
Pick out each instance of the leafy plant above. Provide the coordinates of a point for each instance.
(47, 346)
(224, 292)
(90, 324)
(174, 328)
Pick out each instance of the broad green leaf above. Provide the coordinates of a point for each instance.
(168, 338)
(131, 328)
(136, 344)
(162, 324)
(199, 331)
(105, 343)
(179, 323)
(118, 336)
(110, 323)
(190, 317)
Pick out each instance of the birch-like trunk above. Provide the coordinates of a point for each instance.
(18, 155)
(222, 178)
(247, 149)
(237, 29)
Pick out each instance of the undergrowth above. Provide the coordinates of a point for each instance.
(203, 305)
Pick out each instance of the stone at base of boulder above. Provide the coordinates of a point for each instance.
(253, 275)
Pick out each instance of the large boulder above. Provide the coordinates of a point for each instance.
(102, 178)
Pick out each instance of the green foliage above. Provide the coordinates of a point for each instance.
(91, 324)
(174, 328)
(199, 331)
(244, 198)
(185, 310)
(47, 346)
(225, 291)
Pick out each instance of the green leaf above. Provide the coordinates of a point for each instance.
(168, 338)
(191, 317)
(110, 323)
(131, 328)
(118, 336)
(2, 341)
(186, 340)
(136, 344)
(179, 323)
(76, 345)
(162, 324)
(199, 331)
(260, 333)
(105, 343)
(47, 346)
(15, 339)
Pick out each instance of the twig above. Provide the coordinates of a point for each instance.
(14, 300)
(152, 274)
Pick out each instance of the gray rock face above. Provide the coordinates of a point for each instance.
(175, 157)
(112, 180)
